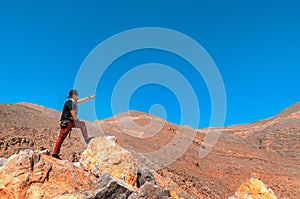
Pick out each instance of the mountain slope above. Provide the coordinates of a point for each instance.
(268, 149)
(32, 126)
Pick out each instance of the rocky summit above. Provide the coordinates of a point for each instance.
(101, 173)
(137, 155)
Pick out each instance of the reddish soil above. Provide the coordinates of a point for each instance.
(268, 149)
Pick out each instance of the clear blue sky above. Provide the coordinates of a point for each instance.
(254, 44)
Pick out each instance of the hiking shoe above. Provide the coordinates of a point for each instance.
(88, 140)
(56, 156)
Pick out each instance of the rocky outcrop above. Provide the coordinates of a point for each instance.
(253, 189)
(268, 148)
(33, 175)
(106, 171)
(104, 155)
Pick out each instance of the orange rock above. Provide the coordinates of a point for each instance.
(104, 155)
(253, 189)
(25, 175)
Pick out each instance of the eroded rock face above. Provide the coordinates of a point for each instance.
(253, 189)
(111, 174)
(33, 175)
(104, 155)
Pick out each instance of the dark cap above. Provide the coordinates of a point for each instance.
(72, 92)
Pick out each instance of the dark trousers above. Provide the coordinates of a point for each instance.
(65, 131)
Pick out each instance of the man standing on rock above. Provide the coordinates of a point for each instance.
(69, 120)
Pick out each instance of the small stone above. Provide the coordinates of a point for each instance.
(144, 175)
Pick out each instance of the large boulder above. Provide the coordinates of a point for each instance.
(105, 155)
(253, 189)
(33, 175)
(106, 171)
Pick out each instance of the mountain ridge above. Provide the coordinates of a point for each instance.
(268, 149)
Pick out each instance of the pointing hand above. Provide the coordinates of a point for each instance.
(92, 97)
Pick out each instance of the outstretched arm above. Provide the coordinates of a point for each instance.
(85, 99)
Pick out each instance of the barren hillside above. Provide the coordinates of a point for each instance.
(267, 149)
